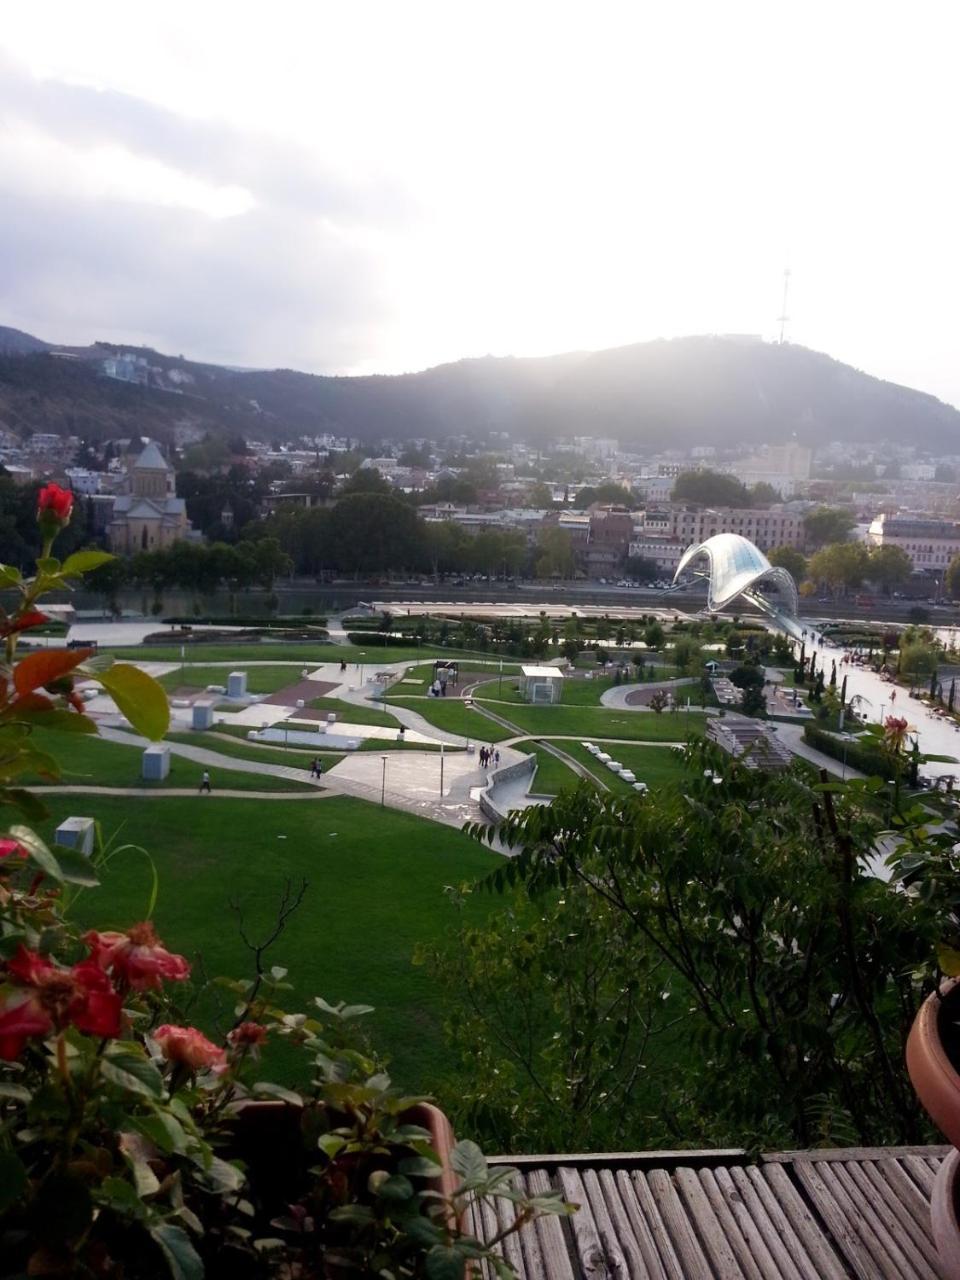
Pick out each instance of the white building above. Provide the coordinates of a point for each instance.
(930, 544)
(83, 481)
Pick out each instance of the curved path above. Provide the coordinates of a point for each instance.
(153, 792)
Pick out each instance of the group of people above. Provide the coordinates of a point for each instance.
(316, 767)
(489, 756)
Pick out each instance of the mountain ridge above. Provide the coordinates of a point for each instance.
(675, 392)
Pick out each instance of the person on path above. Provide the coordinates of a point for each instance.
(496, 758)
(343, 664)
(204, 782)
(313, 767)
(483, 757)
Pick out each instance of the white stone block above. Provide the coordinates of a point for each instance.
(202, 717)
(237, 684)
(331, 717)
(76, 833)
(156, 762)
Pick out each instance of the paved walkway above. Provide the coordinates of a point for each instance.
(153, 792)
(212, 759)
(618, 695)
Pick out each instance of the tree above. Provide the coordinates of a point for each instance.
(607, 494)
(827, 524)
(640, 569)
(889, 567)
(659, 701)
(539, 496)
(789, 558)
(763, 494)
(753, 701)
(653, 635)
(375, 533)
(367, 480)
(687, 655)
(555, 558)
(841, 565)
(951, 580)
(711, 489)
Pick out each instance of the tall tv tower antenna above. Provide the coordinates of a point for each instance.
(783, 317)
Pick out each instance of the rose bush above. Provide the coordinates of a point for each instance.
(125, 1136)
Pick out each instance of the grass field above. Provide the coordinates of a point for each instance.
(452, 715)
(93, 762)
(273, 650)
(239, 750)
(552, 775)
(658, 767)
(576, 693)
(259, 679)
(603, 722)
(376, 880)
(353, 714)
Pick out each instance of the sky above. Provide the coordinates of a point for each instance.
(370, 187)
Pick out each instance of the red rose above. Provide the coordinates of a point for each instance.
(136, 958)
(56, 502)
(248, 1035)
(12, 849)
(189, 1046)
(48, 999)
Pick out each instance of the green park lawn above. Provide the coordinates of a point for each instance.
(353, 714)
(259, 679)
(658, 767)
(452, 715)
(375, 879)
(576, 693)
(552, 776)
(291, 758)
(603, 722)
(89, 761)
(306, 653)
(422, 675)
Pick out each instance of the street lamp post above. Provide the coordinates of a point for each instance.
(500, 680)
(383, 782)
(441, 768)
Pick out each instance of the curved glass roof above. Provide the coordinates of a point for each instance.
(736, 568)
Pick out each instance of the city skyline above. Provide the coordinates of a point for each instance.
(381, 191)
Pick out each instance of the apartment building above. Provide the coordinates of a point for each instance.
(766, 529)
(930, 544)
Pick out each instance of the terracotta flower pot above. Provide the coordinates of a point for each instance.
(934, 1076)
(944, 1218)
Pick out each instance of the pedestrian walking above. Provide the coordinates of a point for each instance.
(483, 757)
(204, 782)
(496, 758)
(313, 767)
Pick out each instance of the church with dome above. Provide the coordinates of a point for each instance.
(148, 515)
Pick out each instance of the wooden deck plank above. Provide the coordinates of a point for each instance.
(692, 1258)
(650, 1211)
(591, 1249)
(553, 1242)
(746, 1238)
(623, 1255)
(911, 1211)
(629, 1223)
(824, 1252)
(879, 1225)
(713, 1229)
(772, 1223)
(859, 1246)
(921, 1173)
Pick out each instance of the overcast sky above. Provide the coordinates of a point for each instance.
(364, 187)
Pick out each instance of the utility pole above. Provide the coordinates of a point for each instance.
(783, 317)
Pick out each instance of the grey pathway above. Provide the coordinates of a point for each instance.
(617, 696)
(213, 759)
(153, 792)
(791, 735)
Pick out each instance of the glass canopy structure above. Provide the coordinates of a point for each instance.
(734, 567)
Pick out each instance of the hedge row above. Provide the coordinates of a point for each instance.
(292, 622)
(864, 758)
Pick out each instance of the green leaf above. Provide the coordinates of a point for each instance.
(396, 1187)
(468, 1160)
(48, 564)
(37, 850)
(76, 867)
(62, 721)
(121, 1196)
(13, 1179)
(420, 1167)
(444, 1262)
(163, 1130)
(82, 562)
(278, 1091)
(182, 1259)
(19, 1092)
(30, 806)
(138, 697)
(948, 958)
(9, 575)
(128, 1067)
